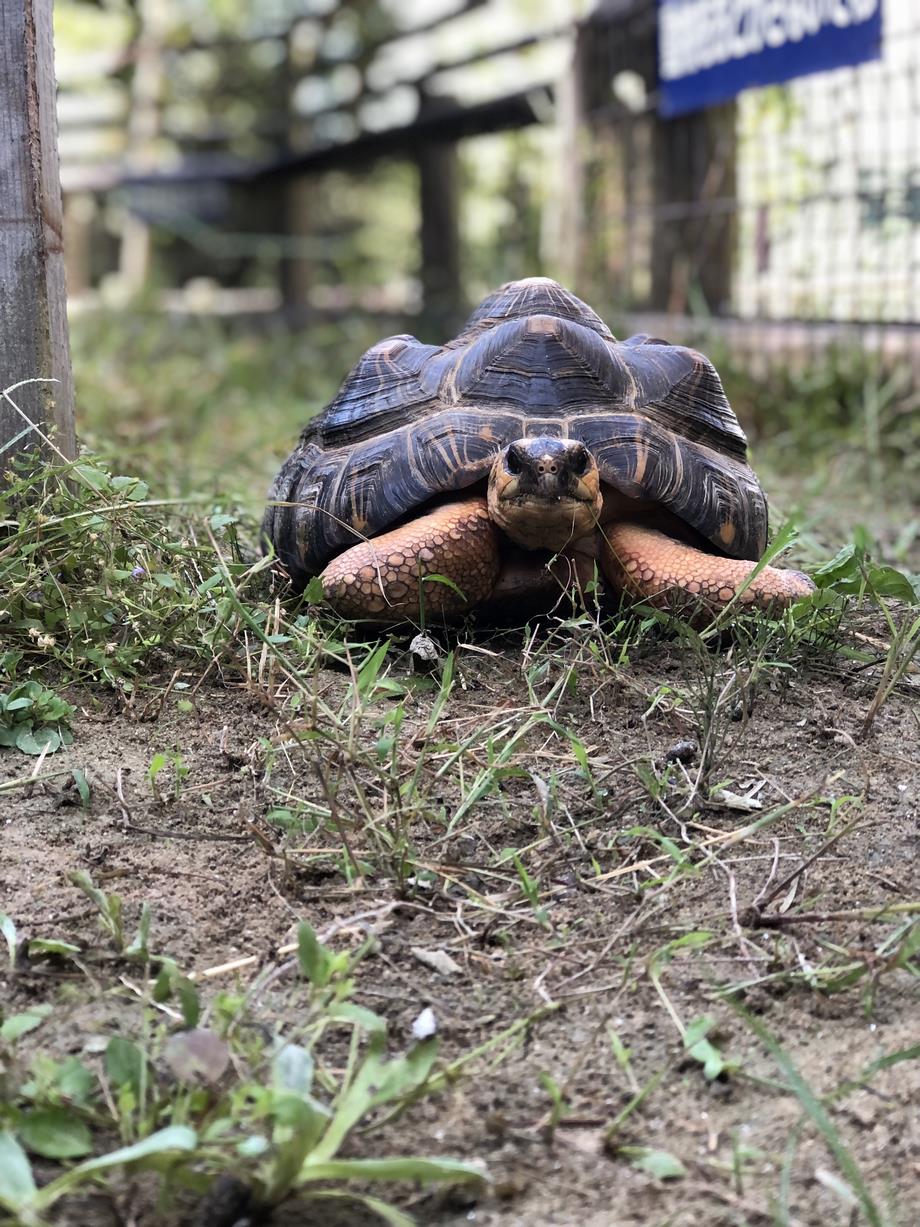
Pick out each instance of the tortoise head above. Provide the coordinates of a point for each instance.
(545, 493)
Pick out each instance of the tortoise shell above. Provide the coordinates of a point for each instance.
(413, 422)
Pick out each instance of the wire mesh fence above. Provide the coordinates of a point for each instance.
(795, 205)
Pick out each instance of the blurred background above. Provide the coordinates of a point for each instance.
(255, 193)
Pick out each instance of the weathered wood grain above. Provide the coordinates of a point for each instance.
(33, 309)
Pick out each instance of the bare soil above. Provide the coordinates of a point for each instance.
(224, 883)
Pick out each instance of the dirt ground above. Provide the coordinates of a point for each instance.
(224, 882)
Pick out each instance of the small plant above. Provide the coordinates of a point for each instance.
(277, 1127)
(158, 763)
(34, 719)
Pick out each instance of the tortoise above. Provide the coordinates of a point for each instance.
(533, 452)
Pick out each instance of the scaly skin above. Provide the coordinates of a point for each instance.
(647, 564)
(381, 580)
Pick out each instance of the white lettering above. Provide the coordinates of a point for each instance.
(698, 34)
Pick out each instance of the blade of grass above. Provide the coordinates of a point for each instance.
(813, 1108)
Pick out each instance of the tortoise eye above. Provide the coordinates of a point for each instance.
(581, 461)
(513, 460)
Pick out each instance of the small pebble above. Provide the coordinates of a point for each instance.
(424, 653)
(682, 752)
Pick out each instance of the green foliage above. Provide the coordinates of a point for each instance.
(841, 394)
(100, 581)
(180, 401)
(277, 1123)
(854, 572)
(34, 719)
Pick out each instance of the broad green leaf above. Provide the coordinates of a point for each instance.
(55, 1133)
(174, 1137)
(347, 1011)
(314, 593)
(306, 1116)
(157, 763)
(132, 488)
(887, 581)
(843, 565)
(95, 478)
(125, 1063)
(17, 1187)
(34, 741)
(253, 1147)
(74, 1081)
(293, 1069)
(312, 955)
(21, 1024)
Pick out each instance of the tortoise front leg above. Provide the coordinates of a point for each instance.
(650, 565)
(383, 579)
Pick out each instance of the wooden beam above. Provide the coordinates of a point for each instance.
(446, 125)
(33, 308)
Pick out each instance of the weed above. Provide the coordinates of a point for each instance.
(278, 1125)
(99, 580)
(34, 719)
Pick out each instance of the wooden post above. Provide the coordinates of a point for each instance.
(440, 235)
(570, 246)
(294, 196)
(33, 301)
(144, 124)
(694, 231)
(691, 180)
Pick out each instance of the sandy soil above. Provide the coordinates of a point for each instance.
(225, 882)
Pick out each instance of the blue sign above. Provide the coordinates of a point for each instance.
(710, 50)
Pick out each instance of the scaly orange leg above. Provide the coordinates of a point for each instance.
(382, 580)
(645, 563)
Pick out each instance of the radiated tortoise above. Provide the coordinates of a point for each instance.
(532, 454)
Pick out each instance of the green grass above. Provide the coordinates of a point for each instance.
(493, 787)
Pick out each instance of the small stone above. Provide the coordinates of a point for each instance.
(424, 653)
(425, 1025)
(682, 752)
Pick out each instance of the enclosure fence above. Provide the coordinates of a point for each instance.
(796, 204)
(794, 208)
